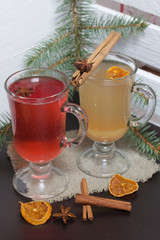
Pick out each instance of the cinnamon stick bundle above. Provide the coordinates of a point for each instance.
(87, 210)
(103, 202)
(84, 207)
(96, 58)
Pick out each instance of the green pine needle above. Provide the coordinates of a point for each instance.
(5, 129)
(144, 141)
(119, 23)
(138, 98)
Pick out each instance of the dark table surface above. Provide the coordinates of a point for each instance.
(142, 223)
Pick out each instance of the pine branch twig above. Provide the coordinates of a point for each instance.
(5, 129)
(145, 141)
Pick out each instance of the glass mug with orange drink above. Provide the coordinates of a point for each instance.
(38, 105)
(106, 97)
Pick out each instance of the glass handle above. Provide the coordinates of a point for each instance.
(149, 94)
(83, 124)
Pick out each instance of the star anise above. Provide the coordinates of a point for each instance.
(23, 91)
(83, 66)
(65, 214)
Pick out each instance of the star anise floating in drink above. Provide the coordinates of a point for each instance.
(83, 66)
(23, 91)
(65, 214)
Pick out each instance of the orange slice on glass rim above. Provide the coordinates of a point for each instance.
(116, 72)
(36, 213)
(120, 186)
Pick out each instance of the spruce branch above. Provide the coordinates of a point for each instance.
(144, 141)
(116, 23)
(139, 98)
(5, 129)
(42, 51)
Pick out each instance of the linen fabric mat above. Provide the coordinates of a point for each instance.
(141, 169)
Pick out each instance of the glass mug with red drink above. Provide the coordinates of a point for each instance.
(38, 105)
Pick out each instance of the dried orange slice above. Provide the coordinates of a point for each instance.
(120, 186)
(37, 212)
(116, 72)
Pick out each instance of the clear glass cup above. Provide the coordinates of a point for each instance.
(38, 105)
(107, 103)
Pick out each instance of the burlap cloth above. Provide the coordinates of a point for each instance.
(141, 169)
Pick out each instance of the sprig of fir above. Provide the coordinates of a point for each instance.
(145, 141)
(5, 129)
(139, 98)
(78, 24)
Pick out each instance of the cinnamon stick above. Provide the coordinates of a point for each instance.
(95, 53)
(96, 58)
(103, 202)
(101, 46)
(84, 207)
(85, 192)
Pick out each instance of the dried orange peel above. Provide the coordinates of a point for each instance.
(120, 186)
(36, 213)
(116, 72)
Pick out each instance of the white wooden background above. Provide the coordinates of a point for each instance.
(24, 23)
(143, 5)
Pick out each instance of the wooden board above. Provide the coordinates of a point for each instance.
(149, 6)
(144, 46)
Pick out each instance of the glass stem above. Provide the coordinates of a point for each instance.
(104, 150)
(40, 170)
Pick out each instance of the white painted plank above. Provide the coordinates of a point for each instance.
(24, 23)
(8, 67)
(144, 46)
(154, 82)
(148, 6)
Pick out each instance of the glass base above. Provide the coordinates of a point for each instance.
(40, 181)
(103, 161)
